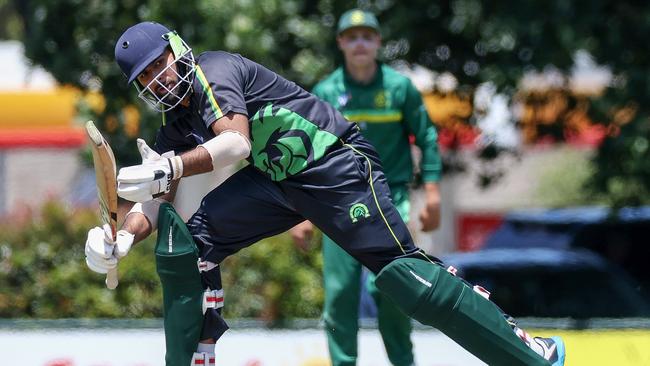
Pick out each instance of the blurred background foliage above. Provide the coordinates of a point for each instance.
(473, 40)
(43, 274)
(274, 281)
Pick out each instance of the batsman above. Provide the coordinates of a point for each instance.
(306, 162)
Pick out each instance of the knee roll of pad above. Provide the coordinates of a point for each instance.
(413, 284)
(183, 293)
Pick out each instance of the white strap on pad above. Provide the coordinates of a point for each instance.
(203, 359)
(205, 266)
(482, 291)
(212, 299)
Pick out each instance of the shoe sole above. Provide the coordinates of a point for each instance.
(561, 351)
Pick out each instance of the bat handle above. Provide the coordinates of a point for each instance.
(111, 279)
(111, 275)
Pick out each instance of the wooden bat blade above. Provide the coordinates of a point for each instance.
(105, 174)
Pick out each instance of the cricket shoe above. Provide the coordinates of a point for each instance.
(554, 350)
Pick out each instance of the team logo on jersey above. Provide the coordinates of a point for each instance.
(284, 143)
(380, 99)
(359, 211)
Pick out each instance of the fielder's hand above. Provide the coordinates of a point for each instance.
(302, 234)
(102, 254)
(430, 214)
(152, 178)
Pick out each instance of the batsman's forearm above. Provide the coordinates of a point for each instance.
(196, 161)
(142, 219)
(137, 224)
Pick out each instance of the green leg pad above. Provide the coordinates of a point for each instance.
(432, 296)
(176, 264)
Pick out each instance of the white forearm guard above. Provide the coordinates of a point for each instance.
(150, 210)
(227, 148)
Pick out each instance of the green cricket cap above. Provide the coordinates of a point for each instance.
(357, 18)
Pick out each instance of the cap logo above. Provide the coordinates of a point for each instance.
(125, 44)
(357, 17)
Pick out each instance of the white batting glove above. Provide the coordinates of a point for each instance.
(152, 178)
(123, 243)
(103, 254)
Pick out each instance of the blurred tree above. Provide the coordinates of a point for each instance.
(561, 181)
(473, 40)
(500, 41)
(74, 40)
(10, 23)
(43, 273)
(476, 41)
(273, 281)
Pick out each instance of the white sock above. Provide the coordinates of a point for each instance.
(205, 347)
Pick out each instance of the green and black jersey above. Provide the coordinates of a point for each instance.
(387, 110)
(290, 128)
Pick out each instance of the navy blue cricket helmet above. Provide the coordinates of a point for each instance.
(143, 43)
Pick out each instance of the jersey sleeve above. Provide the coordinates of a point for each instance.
(222, 80)
(426, 137)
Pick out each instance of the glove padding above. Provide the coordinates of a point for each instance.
(152, 178)
(103, 254)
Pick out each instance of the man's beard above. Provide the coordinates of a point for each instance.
(177, 92)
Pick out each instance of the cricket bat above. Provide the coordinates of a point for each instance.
(106, 176)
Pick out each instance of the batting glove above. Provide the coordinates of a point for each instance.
(152, 178)
(102, 254)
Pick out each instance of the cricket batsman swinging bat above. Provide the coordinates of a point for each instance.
(106, 176)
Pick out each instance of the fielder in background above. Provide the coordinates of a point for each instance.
(307, 162)
(387, 108)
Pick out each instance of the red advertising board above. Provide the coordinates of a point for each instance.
(474, 228)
